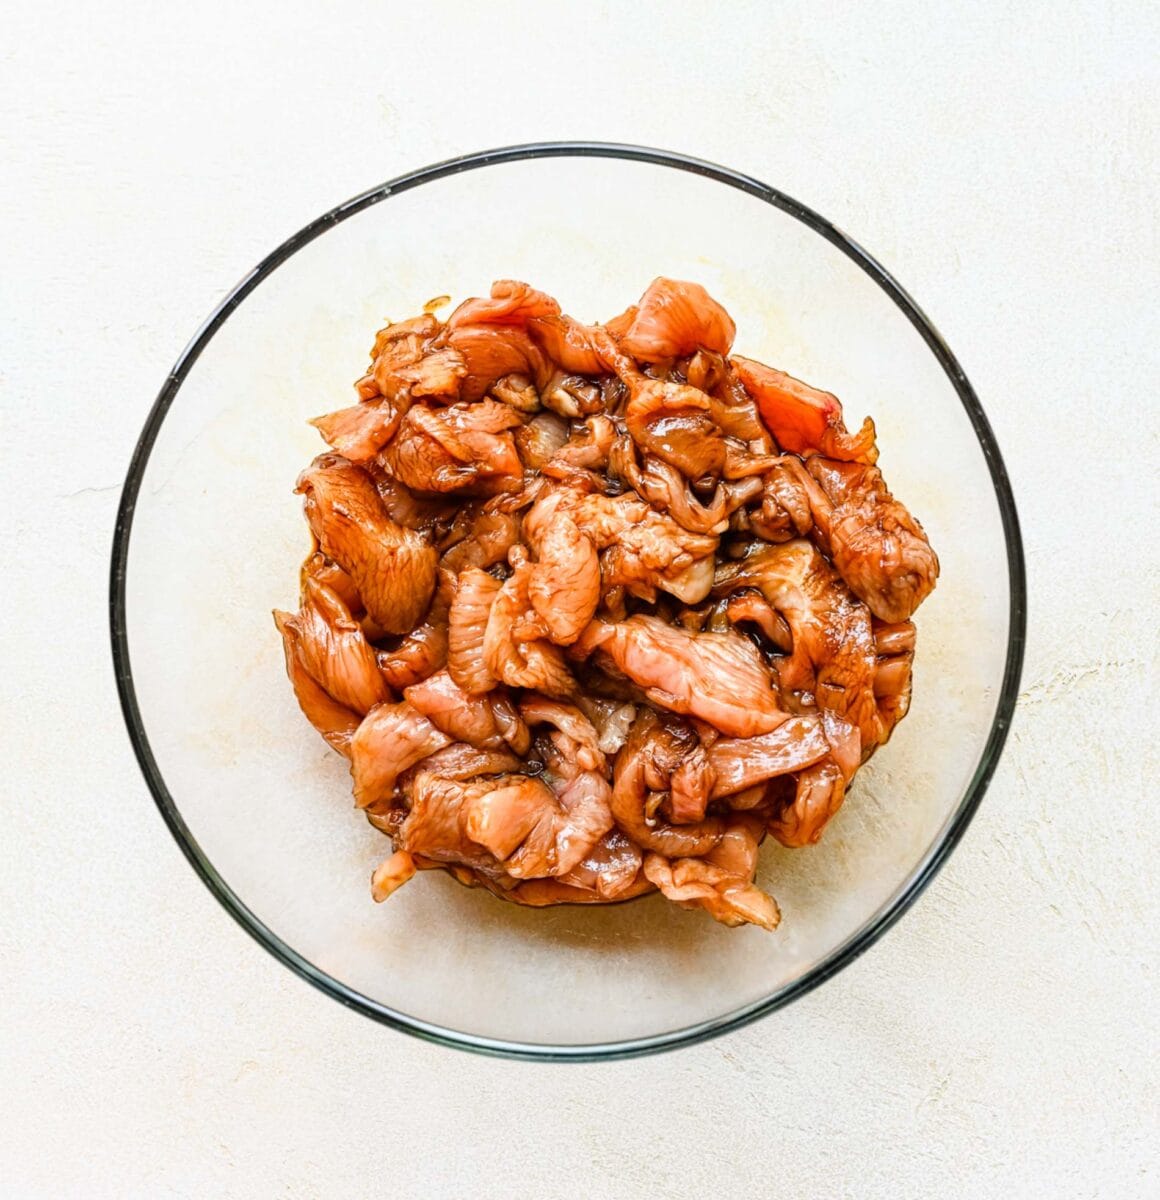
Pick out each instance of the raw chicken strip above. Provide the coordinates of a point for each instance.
(880, 550)
(718, 677)
(393, 568)
(475, 593)
(448, 707)
(333, 649)
(674, 319)
(334, 721)
(804, 419)
(391, 738)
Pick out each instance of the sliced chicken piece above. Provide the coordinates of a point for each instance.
(438, 375)
(894, 644)
(393, 568)
(672, 421)
(880, 550)
(536, 826)
(500, 818)
(564, 831)
(511, 302)
(517, 391)
(475, 594)
(391, 874)
(643, 549)
(577, 348)
(479, 537)
(674, 319)
(722, 882)
(610, 717)
(333, 649)
(802, 418)
(543, 893)
(493, 352)
(408, 338)
(733, 409)
(588, 447)
(832, 666)
(667, 490)
(319, 567)
(515, 646)
(571, 396)
(576, 737)
(391, 738)
(423, 651)
(564, 582)
(436, 825)
(820, 792)
(749, 606)
(719, 677)
(360, 432)
(424, 514)
(645, 765)
(461, 761)
(485, 416)
(540, 438)
(693, 883)
(464, 448)
(609, 869)
(515, 822)
(736, 764)
(407, 364)
(833, 659)
(691, 786)
(647, 558)
(448, 707)
(511, 725)
(334, 721)
(743, 463)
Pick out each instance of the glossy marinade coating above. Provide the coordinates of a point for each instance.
(594, 608)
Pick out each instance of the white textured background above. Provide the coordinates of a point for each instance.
(1002, 161)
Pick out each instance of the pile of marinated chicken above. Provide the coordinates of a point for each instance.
(594, 608)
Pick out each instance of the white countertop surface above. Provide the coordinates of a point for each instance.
(1002, 1039)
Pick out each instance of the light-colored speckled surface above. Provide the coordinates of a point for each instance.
(1002, 1039)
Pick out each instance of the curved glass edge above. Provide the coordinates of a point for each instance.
(842, 955)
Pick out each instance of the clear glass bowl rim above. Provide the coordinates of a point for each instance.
(842, 954)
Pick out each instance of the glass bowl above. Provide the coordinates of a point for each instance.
(209, 539)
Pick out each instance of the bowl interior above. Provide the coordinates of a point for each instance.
(217, 538)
